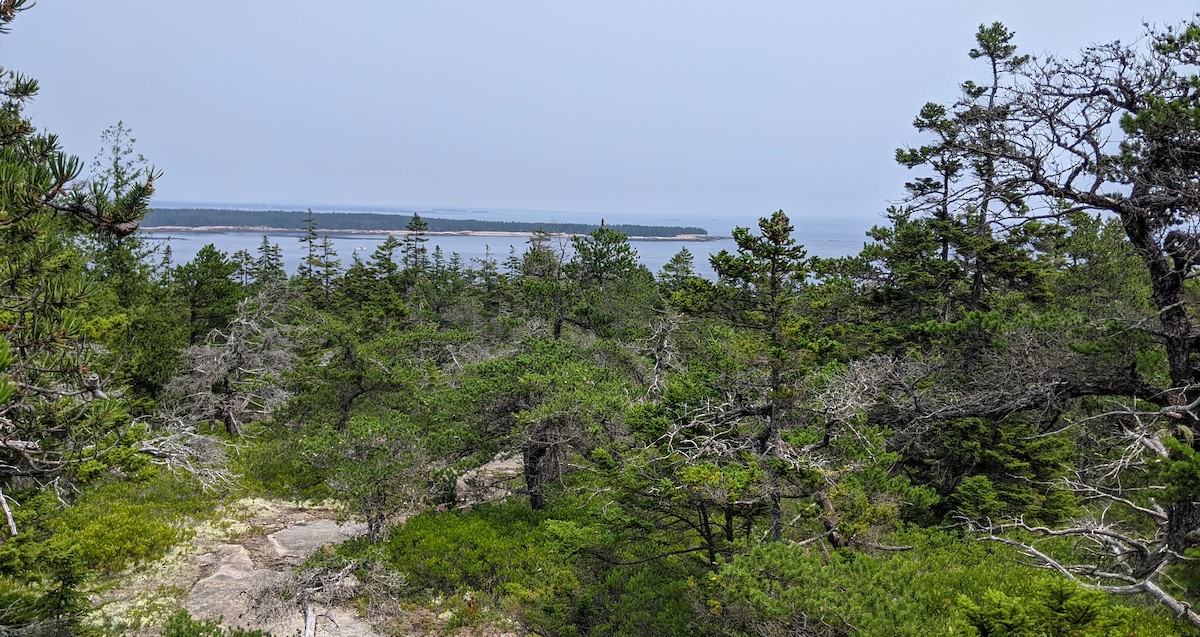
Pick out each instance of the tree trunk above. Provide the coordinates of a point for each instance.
(534, 476)
(830, 520)
(1166, 293)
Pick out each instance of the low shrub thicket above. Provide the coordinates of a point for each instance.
(528, 566)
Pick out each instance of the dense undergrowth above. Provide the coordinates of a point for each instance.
(545, 569)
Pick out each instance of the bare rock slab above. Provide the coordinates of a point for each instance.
(237, 577)
(301, 540)
(231, 586)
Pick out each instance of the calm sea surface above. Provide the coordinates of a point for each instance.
(822, 237)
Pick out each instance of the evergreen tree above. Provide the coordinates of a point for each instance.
(320, 267)
(678, 269)
(120, 260)
(307, 269)
(208, 291)
(763, 280)
(610, 290)
(383, 259)
(414, 257)
(602, 256)
(328, 266)
(268, 265)
(243, 265)
(54, 405)
(133, 307)
(542, 281)
(491, 288)
(966, 207)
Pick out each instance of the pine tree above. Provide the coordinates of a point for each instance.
(965, 205)
(309, 241)
(602, 256)
(54, 405)
(244, 267)
(764, 279)
(328, 267)
(542, 281)
(383, 259)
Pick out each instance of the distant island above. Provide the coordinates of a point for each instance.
(275, 221)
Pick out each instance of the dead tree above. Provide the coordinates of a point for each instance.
(1115, 130)
(179, 447)
(1127, 540)
(234, 377)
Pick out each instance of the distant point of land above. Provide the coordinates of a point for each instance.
(279, 221)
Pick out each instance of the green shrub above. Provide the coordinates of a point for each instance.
(109, 527)
(652, 598)
(1059, 608)
(112, 534)
(493, 548)
(279, 464)
(121, 524)
(17, 603)
(946, 585)
(504, 551)
(542, 569)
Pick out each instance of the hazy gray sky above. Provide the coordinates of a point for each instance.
(673, 109)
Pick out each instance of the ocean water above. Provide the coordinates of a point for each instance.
(824, 237)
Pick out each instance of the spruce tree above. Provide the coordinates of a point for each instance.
(414, 257)
(209, 292)
(268, 265)
(678, 269)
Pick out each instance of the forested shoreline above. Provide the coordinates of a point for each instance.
(984, 423)
(378, 222)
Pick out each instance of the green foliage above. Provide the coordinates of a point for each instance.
(49, 572)
(1058, 607)
(926, 591)
(976, 497)
(64, 602)
(414, 256)
(378, 469)
(676, 272)
(207, 291)
(536, 567)
(542, 284)
(7, 388)
(283, 463)
(766, 270)
(109, 535)
(108, 528)
(505, 551)
(349, 367)
(613, 290)
(1000, 469)
(641, 599)
(1180, 472)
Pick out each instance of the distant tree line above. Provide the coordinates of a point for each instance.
(197, 217)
